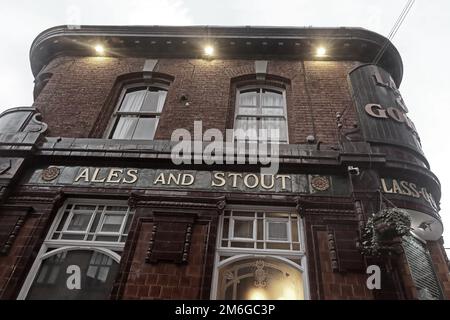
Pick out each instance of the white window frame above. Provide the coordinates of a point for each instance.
(258, 106)
(117, 113)
(232, 229)
(234, 254)
(286, 221)
(59, 245)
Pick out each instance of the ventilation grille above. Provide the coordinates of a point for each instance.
(422, 270)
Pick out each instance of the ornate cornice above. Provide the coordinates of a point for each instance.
(347, 44)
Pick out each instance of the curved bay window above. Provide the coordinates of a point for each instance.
(260, 255)
(138, 113)
(261, 115)
(80, 256)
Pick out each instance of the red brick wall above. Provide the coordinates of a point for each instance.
(166, 280)
(14, 265)
(80, 87)
(338, 285)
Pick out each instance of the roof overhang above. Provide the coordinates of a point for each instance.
(343, 44)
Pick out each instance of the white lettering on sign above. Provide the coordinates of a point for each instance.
(409, 189)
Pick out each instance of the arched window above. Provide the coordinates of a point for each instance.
(261, 278)
(15, 120)
(261, 114)
(80, 256)
(75, 274)
(260, 255)
(137, 114)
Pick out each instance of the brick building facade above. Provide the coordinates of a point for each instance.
(94, 207)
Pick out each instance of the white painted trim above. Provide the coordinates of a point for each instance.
(107, 252)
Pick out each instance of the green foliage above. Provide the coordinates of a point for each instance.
(382, 228)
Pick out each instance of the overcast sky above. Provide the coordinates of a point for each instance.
(423, 42)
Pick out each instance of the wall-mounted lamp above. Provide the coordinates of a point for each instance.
(208, 50)
(99, 49)
(321, 52)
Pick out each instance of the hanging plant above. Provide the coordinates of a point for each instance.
(382, 229)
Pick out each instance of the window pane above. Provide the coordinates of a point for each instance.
(294, 230)
(145, 128)
(243, 229)
(13, 121)
(116, 208)
(260, 229)
(248, 98)
(275, 126)
(250, 214)
(277, 231)
(95, 222)
(98, 273)
(125, 127)
(112, 222)
(269, 111)
(63, 220)
(278, 245)
(79, 222)
(236, 244)
(154, 100)
(225, 229)
(248, 111)
(70, 236)
(272, 98)
(132, 101)
(127, 226)
(84, 207)
(107, 238)
(246, 128)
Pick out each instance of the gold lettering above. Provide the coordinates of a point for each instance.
(406, 189)
(396, 187)
(263, 182)
(114, 173)
(219, 176)
(235, 175)
(94, 176)
(283, 180)
(413, 188)
(172, 177)
(383, 184)
(160, 179)
(375, 110)
(187, 183)
(83, 174)
(132, 173)
(255, 177)
(396, 114)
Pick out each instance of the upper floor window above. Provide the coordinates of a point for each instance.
(261, 108)
(137, 115)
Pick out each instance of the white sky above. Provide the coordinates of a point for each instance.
(423, 42)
